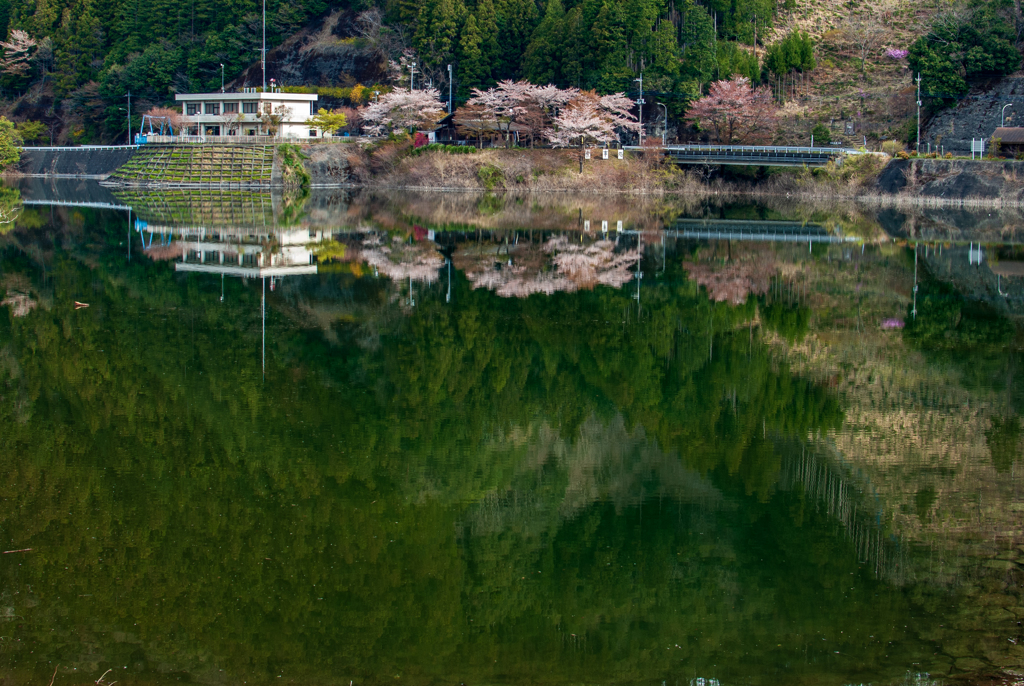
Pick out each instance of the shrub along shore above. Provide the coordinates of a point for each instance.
(873, 178)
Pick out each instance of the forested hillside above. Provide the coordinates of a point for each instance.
(68, 65)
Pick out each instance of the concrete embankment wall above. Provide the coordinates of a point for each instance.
(95, 163)
(954, 179)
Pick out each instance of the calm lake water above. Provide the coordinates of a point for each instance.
(452, 439)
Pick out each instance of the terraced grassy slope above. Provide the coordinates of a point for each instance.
(199, 166)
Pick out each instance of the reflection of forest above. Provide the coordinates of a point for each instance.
(571, 488)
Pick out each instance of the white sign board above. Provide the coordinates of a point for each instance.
(977, 146)
(604, 153)
(620, 153)
(586, 155)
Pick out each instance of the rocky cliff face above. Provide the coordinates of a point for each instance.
(333, 53)
(976, 116)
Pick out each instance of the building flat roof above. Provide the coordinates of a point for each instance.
(296, 97)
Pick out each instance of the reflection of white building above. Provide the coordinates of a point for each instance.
(239, 114)
(243, 252)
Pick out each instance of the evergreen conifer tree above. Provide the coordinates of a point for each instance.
(541, 60)
(474, 68)
(487, 24)
(437, 31)
(79, 45)
(698, 44)
(44, 17)
(516, 21)
(574, 49)
(610, 47)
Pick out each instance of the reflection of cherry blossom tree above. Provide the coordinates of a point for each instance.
(401, 260)
(402, 109)
(560, 265)
(589, 265)
(736, 279)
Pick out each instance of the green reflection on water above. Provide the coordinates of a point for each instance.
(549, 489)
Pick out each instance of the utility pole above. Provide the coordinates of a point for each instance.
(412, 77)
(664, 129)
(222, 78)
(449, 89)
(640, 102)
(263, 52)
(917, 146)
(755, 39)
(129, 94)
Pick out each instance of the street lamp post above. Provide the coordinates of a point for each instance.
(263, 52)
(412, 76)
(640, 102)
(917, 146)
(221, 78)
(129, 94)
(1002, 114)
(376, 96)
(664, 129)
(449, 89)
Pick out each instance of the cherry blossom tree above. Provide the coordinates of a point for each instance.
(522, 104)
(590, 117)
(402, 109)
(735, 111)
(474, 121)
(552, 98)
(506, 102)
(172, 115)
(17, 52)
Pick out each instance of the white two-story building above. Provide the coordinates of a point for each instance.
(246, 114)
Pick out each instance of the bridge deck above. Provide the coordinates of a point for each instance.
(752, 230)
(752, 155)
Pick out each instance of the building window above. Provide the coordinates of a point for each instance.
(231, 108)
(250, 107)
(191, 109)
(212, 130)
(312, 108)
(212, 108)
(312, 133)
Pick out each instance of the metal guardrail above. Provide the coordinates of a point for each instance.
(64, 148)
(756, 155)
(759, 149)
(249, 140)
(70, 203)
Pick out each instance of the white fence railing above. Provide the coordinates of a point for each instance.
(247, 140)
(61, 148)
